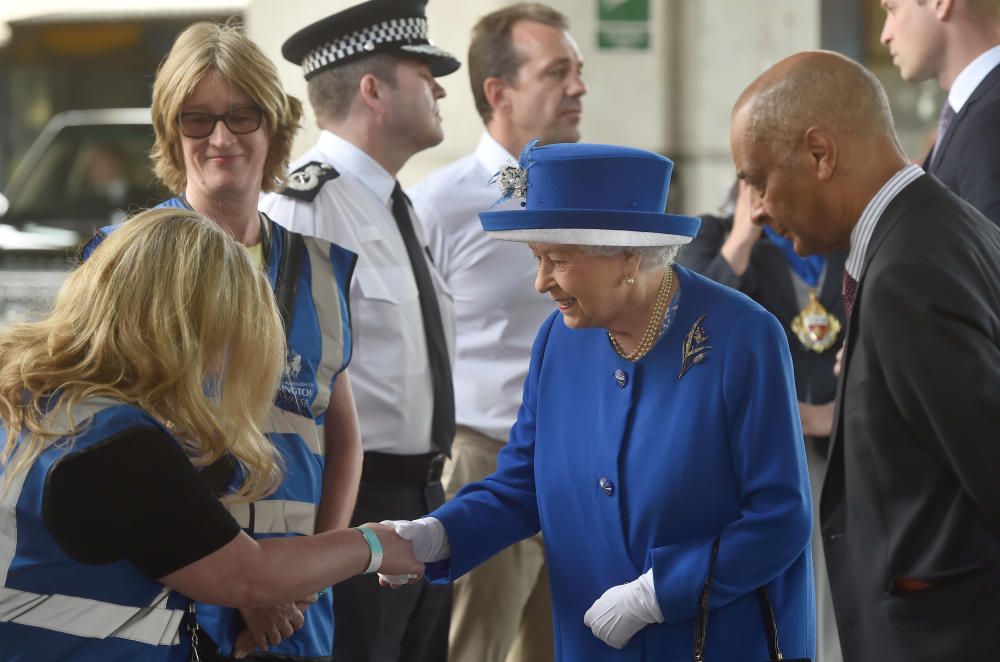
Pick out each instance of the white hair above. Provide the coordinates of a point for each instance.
(651, 257)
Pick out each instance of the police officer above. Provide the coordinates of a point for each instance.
(371, 73)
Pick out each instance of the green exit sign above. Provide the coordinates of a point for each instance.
(623, 24)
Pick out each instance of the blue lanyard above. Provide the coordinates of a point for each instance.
(809, 268)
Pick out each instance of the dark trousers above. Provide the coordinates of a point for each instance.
(376, 624)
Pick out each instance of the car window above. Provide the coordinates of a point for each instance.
(89, 176)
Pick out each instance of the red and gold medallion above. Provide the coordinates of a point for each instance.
(815, 327)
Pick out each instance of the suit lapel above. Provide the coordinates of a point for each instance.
(984, 88)
(890, 217)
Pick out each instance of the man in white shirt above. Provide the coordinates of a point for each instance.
(371, 77)
(525, 71)
(956, 42)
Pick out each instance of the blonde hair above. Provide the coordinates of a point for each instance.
(223, 49)
(168, 314)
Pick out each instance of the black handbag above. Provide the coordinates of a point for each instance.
(766, 617)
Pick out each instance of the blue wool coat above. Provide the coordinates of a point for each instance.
(638, 469)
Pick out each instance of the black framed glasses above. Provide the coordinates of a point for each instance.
(239, 121)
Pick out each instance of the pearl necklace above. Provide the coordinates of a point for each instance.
(652, 332)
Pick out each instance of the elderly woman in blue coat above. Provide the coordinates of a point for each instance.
(659, 420)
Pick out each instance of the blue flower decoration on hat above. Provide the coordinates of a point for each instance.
(512, 178)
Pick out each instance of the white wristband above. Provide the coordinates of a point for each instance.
(374, 546)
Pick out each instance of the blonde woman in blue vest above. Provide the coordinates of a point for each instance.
(154, 363)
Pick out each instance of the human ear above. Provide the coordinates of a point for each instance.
(370, 91)
(942, 9)
(495, 91)
(823, 151)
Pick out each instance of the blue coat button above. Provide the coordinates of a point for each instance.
(621, 378)
(606, 486)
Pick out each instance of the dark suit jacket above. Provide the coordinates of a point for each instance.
(768, 281)
(913, 484)
(969, 158)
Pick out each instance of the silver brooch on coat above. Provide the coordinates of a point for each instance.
(694, 350)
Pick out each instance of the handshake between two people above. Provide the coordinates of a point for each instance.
(423, 540)
(398, 551)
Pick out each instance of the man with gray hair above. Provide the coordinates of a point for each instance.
(371, 72)
(956, 42)
(910, 513)
(525, 72)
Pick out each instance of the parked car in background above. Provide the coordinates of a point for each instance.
(87, 168)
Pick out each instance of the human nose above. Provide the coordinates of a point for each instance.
(221, 135)
(886, 35)
(577, 88)
(438, 91)
(543, 279)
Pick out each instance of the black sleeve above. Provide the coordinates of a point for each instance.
(135, 497)
(704, 254)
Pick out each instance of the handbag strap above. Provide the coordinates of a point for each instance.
(766, 615)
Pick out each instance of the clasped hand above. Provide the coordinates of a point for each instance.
(269, 626)
(398, 554)
(429, 543)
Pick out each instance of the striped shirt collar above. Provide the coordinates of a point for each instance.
(862, 232)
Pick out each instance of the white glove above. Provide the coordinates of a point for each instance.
(623, 610)
(429, 541)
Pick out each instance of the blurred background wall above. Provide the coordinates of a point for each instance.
(662, 74)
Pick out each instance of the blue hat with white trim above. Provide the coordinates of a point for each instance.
(592, 195)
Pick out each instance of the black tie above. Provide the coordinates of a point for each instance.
(443, 421)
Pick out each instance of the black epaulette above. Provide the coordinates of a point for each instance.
(304, 182)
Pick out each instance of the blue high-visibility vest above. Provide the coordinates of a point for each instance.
(55, 608)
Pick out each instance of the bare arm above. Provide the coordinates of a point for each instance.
(257, 573)
(342, 471)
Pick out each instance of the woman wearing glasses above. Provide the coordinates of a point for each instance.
(224, 128)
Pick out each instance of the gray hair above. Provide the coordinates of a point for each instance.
(650, 257)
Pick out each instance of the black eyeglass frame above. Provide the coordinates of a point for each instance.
(224, 118)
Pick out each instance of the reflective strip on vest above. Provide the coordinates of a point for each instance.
(326, 297)
(154, 625)
(286, 422)
(11, 494)
(277, 516)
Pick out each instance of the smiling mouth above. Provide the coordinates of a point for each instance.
(565, 304)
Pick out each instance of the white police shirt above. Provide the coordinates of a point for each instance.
(390, 372)
(497, 310)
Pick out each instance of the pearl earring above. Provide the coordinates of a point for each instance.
(630, 281)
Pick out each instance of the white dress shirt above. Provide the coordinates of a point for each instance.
(969, 79)
(861, 235)
(390, 371)
(497, 310)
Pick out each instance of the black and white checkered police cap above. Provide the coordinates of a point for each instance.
(376, 26)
